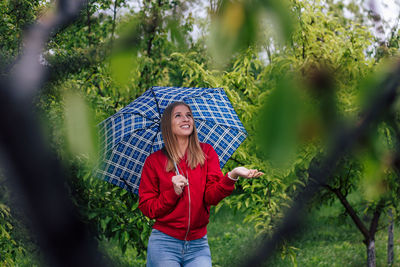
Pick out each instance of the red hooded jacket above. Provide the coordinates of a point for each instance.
(184, 217)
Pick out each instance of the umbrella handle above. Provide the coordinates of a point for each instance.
(176, 168)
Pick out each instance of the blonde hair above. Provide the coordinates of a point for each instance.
(195, 154)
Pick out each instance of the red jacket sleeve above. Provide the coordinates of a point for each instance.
(218, 185)
(152, 202)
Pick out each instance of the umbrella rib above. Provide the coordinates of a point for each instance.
(224, 125)
(104, 173)
(194, 97)
(199, 95)
(204, 94)
(137, 113)
(158, 109)
(128, 185)
(141, 129)
(155, 100)
(133, 113)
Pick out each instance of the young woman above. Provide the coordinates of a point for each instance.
(177, 187)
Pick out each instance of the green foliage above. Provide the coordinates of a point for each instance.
(236, 25)
(314, 76)
(11, 248)
(111, 212)
(280, 121)
(16, 16)
(263, 198)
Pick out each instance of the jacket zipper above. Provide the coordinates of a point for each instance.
(187, 177)
(188, 228)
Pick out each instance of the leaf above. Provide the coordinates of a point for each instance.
(218, 207)
(135, 206)
(123, 66)
(115, 228)
(80, 130)
(144, 236)
(279, 123)
(103, 225)
(92, 215)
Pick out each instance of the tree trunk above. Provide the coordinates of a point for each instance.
(390, 253)
(369, 235)
(371, 258)
(89, 22)
(114, 21)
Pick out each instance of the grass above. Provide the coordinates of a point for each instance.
(329, 239)
(333, 240)
(227, 235)
(229, 238)
(120, 259)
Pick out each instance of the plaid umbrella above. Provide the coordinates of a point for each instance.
(134, 132)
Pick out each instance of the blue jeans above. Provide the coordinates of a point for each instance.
(166, 251)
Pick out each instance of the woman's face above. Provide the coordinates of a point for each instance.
(182, 121)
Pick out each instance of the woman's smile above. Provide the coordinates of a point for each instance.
(182, 121)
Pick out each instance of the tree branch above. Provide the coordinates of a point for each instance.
(375, 219)
(113, 23)
(352, 213)
(153, 25)
(344, 140)
(89, 22)
(347, 178)
(36, 173)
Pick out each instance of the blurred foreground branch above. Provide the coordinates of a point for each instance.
(343, 141)
(35, 171)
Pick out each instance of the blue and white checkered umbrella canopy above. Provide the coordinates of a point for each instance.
(134, 132)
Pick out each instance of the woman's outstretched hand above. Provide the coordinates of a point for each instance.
(179, 182)
(245, 173)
